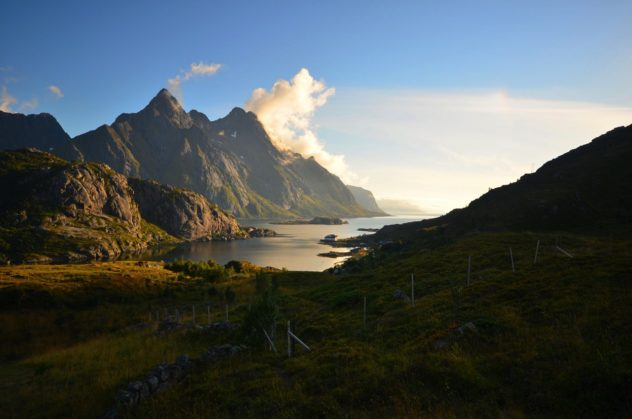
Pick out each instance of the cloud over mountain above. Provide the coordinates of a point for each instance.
(286, 111)
(196, 69)
(6, 100)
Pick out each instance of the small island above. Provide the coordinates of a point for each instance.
(258, 232)
(315, 220)
(355, 252)
(372, 230)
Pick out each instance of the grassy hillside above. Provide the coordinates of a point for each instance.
(550, 339)
(585, 189)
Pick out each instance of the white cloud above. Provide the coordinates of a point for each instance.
(202, 69)
(56, 91)
(6, 100)
(29, 105)
(196, 69)
(441, 150)
(286, 112)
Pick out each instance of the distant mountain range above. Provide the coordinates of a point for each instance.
(588, 188)
(231, 161)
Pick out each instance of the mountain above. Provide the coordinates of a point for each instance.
(182, 213)
(587, 188)
(39, 131)
(231, 161)
(56, 210)
(366, 200)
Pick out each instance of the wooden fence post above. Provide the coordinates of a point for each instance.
(537, 247)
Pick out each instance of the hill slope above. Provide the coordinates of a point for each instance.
(587, 188)
(493, 332)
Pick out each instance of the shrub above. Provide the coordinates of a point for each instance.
(209, 270)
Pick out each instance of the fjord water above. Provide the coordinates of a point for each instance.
(296, 247)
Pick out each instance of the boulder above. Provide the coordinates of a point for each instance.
(399, 294)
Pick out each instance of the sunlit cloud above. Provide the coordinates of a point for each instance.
(6, 100)
(55, 90)
(441, 150)
(196, 69)
(286, 112)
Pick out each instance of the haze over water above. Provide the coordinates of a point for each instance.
(296, 247)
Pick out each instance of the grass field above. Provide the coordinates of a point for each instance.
(552, 339)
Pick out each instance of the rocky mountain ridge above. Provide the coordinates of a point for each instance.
(230, 161)
(182, 213)
(62, 211)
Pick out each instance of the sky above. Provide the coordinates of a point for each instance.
(426, 103)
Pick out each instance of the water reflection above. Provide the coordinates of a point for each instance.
(295, 248)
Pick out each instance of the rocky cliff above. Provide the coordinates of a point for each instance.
(366, 200)
(56, 210)
(52, 209)
(183, 213)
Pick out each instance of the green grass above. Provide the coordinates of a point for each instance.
(553, 338)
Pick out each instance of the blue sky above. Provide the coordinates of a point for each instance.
(112, 57)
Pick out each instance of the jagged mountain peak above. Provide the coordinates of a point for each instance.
(165, 105)
(231, 161)
(237, 112)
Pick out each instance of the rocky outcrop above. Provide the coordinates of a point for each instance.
(53, 210)
(91, 189)
(366, 200)
(467, 329)
(184, 214)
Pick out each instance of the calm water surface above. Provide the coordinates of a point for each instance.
(296, 247)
